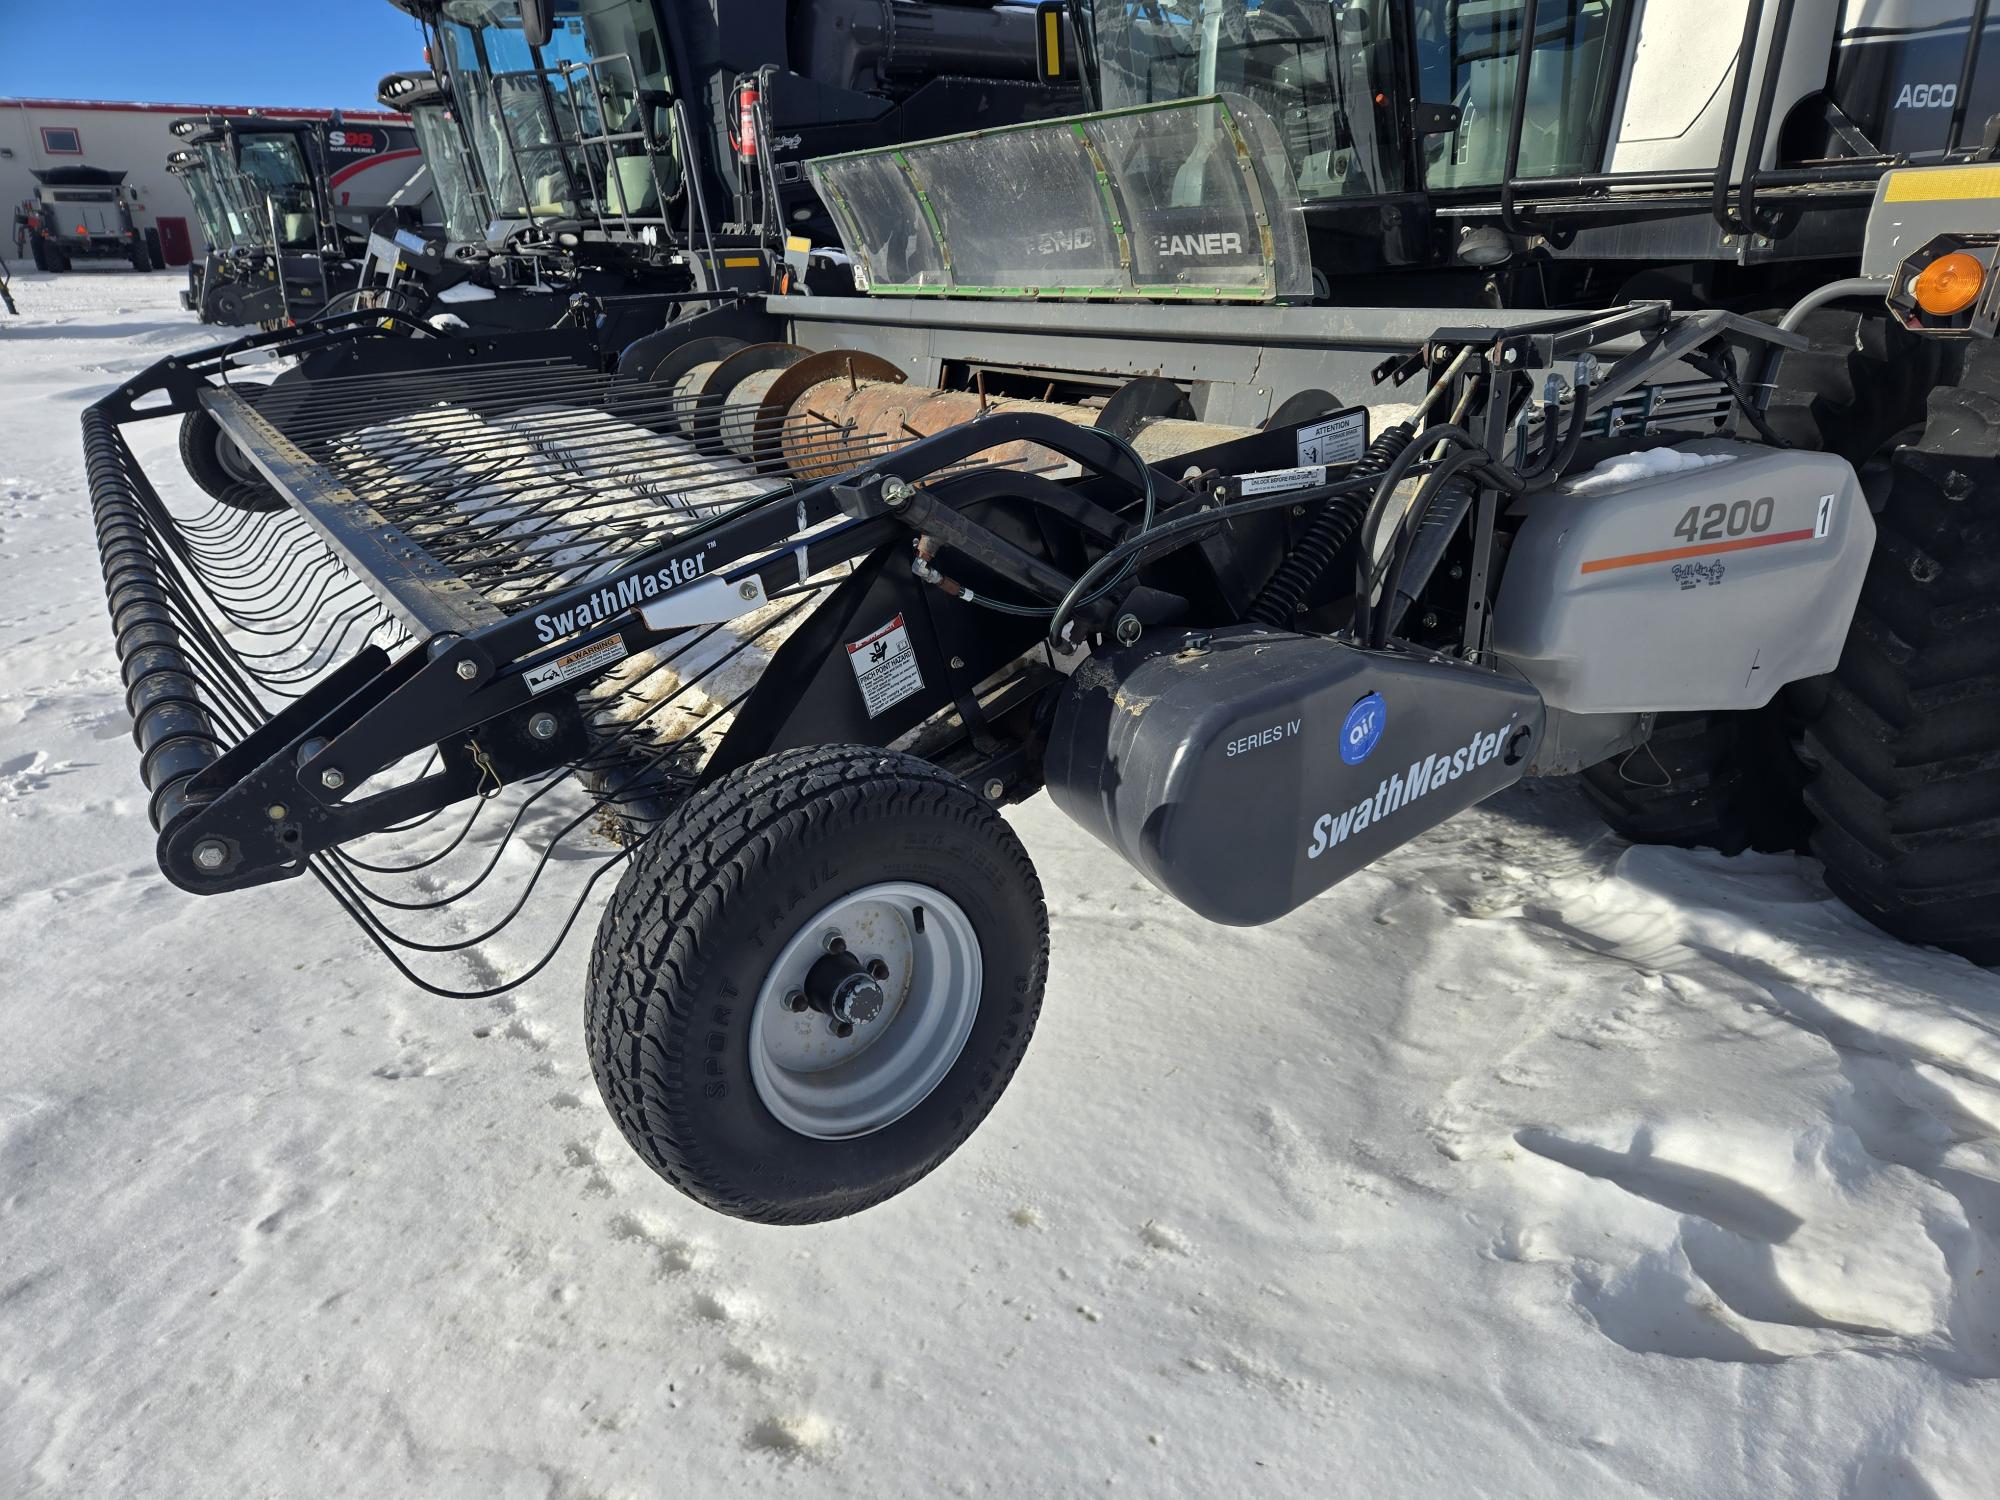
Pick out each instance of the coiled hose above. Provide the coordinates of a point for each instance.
(1332, 527)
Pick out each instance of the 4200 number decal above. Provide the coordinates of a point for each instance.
(1709, 523)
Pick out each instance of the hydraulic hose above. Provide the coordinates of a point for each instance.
(1435, 514)
(1332, 527)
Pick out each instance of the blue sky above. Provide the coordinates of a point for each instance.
(326, 55)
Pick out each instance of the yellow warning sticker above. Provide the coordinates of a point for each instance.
(1942, 184)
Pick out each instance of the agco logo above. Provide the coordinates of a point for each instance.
(1927, 96)
(1215, 242)
(1362, 729)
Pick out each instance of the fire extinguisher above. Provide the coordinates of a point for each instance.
(746, 119)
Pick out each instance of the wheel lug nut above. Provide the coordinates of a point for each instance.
(835, 943)
(877, 969)
(843, 1029)
(796, 1002)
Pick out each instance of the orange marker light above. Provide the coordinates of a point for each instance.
(1949, 284)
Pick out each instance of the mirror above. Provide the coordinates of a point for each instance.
(537, 22)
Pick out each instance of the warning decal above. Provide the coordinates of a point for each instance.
(1338, 439)
(591, 658)
(885, 666)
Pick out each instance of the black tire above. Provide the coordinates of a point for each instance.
(689, 939)
(1863, 382)
(38, 252)
(1906, 747)
(1727, 781)
(156, 257)
(58, 257)
(223, 475)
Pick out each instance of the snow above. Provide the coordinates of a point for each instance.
(1648, 463)
(1524, 1163)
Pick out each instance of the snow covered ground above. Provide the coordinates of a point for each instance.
(1524, 1164)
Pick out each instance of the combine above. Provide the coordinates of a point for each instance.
(1361, 409)
(649, 158)
(82, 213)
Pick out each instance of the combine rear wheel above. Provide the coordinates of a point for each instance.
(813, 984)
(1727, 781)
(1906, 748)
(221, 468)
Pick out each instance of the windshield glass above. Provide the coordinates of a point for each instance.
(1324, 73)
(451, 172)
(241, 213)
(207, 207)
(580, 128)
(1466, 57)
(277, 183)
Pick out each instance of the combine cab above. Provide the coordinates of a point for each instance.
(758, 619)
(275, 254)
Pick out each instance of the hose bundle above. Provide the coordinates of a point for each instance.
(1331, 528)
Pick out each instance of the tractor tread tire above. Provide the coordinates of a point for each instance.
(1862, 384)
(1907, 745)
(1712, 780)
(665, 940)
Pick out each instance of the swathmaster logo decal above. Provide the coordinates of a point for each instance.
(1399, 791)
(616, 598)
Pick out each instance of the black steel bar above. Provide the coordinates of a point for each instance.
(1739, 90)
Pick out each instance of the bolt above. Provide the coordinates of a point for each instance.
(896, 492)
(543, 726)
(835, 943)
(210, 854)
(332, 780)
(1196, 643)
(1128, 629)
(796, 1002)
(1509, 356)
(843, 1029)
(995, 789)
(748, 590)
(958, 664)
(276, 812)
(467, 670)
(877, 970)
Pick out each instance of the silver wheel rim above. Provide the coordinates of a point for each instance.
(834, 1088)
(235, 462)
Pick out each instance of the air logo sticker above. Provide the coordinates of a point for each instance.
(885, 667)
(1362, 728)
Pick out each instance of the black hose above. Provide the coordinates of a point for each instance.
(1437, 511)
(1331, 528)
(1366, 574)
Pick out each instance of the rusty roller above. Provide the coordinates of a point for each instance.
(837, 424)
(820, 414)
